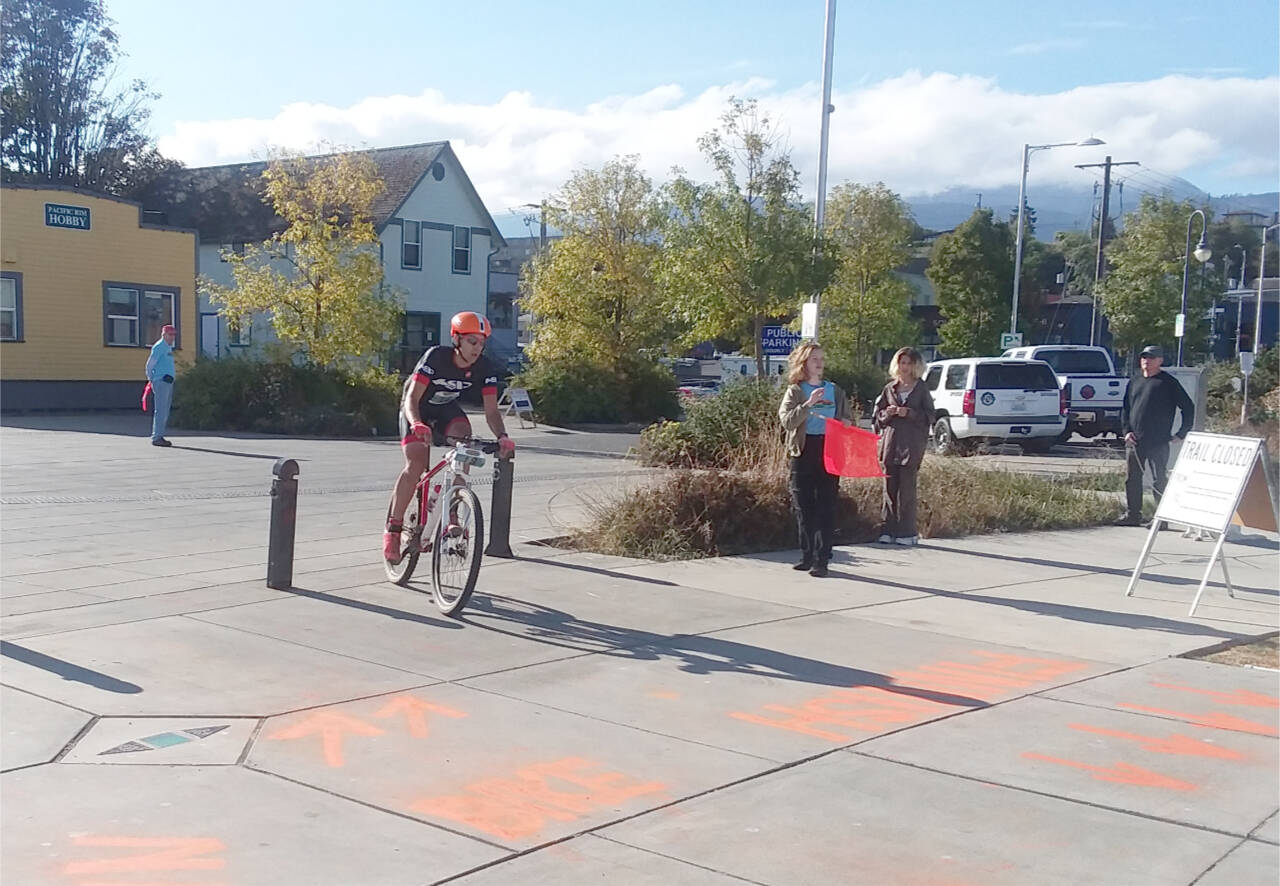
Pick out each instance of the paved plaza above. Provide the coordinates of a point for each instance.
(985, 711)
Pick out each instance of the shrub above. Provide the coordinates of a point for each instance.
(701, 513)
(717, 430)
(862, 383)
(573, 391)
(281, 398)
(1224, 402)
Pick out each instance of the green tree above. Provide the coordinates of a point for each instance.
(320, 279)
(866, 308)
(1142, 292)
(739, 251)
(594, 291)
(62, 119)
(971, 270)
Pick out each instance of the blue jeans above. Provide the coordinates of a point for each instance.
(161, 401)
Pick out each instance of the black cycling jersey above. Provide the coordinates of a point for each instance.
(447, 382)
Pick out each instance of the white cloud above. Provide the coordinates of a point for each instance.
(918, 133)
(1043, 46)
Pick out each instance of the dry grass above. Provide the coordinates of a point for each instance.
(1264, 653)
(746, 508)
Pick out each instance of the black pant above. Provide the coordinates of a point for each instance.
(813, 492)
(1136, 459)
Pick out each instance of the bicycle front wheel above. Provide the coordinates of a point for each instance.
(458, 548)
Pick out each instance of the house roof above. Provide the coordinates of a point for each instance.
(226, 202)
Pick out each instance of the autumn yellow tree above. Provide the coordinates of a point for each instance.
(319, 279)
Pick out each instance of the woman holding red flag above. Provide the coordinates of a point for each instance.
(902, 415)
(807, 404)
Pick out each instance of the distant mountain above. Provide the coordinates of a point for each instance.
(1061, 208)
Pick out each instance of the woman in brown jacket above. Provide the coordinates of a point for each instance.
(806, 405)
(902, 416)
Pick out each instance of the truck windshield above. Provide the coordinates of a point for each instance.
(1076, 362)
(1015, 376)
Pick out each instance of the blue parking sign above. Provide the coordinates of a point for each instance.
(778, 341)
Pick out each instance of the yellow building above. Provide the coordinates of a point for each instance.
(86, 282)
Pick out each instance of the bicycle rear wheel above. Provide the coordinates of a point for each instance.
(458, 548)
(410, 545)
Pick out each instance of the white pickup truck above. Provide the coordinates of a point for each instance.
(1095, 394)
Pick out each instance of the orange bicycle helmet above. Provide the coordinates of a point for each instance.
(470, 323)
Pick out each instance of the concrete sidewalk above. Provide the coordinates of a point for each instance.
(990, 710)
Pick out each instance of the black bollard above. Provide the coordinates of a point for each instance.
(504, 472)
(284, 515)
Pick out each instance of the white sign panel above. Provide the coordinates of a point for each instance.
(1206, 483)
(1010, 340)
(809, 320)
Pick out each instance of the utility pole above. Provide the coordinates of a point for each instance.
(1102, 233)
(820, 200)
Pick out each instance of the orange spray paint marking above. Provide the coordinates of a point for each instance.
(330, 726)
(1182, 745)
(520, 806)
(863, 709)
(1239, 697)
(1212, 721)
(415, 712)
(1121, 773)
(167, 854)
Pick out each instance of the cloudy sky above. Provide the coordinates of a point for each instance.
(928, 95)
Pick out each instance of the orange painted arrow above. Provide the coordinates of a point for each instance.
(415, 712)
(1174, 744)
(1239, 697)
(1213, 721)
(1121, 773)
(330, 726)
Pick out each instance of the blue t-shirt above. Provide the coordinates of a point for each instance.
(818, 415)
(160, 363)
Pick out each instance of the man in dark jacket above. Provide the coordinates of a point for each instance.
(1149, 405)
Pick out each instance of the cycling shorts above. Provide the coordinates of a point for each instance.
(435, 417)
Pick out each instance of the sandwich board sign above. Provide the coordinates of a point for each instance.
(518, 401)
(1217, 481)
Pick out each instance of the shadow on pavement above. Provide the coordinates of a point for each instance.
(1062, 610)
(66, 670)
(598, 570)
(695, 653)
(375, 608)
(1108, 570)
(229, 452)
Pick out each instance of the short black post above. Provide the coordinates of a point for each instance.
(504, 472)
(284, 515)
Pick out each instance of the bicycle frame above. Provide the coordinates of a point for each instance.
(456, 462)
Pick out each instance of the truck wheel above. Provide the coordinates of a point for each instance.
(944, 441)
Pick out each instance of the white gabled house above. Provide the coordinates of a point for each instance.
(436, 239)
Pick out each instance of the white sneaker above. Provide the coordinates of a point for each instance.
(885, 539)
(907, 541)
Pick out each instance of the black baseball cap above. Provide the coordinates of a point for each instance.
(1152, 351)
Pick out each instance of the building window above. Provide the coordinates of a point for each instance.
(10, 306)
(501, 313)
(411, 244)
(133, 314)
(239, 332)
(421, 331)
(461, 250)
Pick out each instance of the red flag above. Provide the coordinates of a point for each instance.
(146, 392)
(850, 451)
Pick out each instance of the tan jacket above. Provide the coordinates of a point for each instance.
(793, 414)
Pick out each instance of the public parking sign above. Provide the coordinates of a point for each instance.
(778, 341)
(1010, 340)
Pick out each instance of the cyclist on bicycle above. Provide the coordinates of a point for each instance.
(430, 410)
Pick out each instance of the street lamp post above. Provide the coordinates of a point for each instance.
(1202, 253)
(1257, 317)
(1244, 263)
(1022, 203)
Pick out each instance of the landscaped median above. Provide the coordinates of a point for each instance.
(726, 492)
